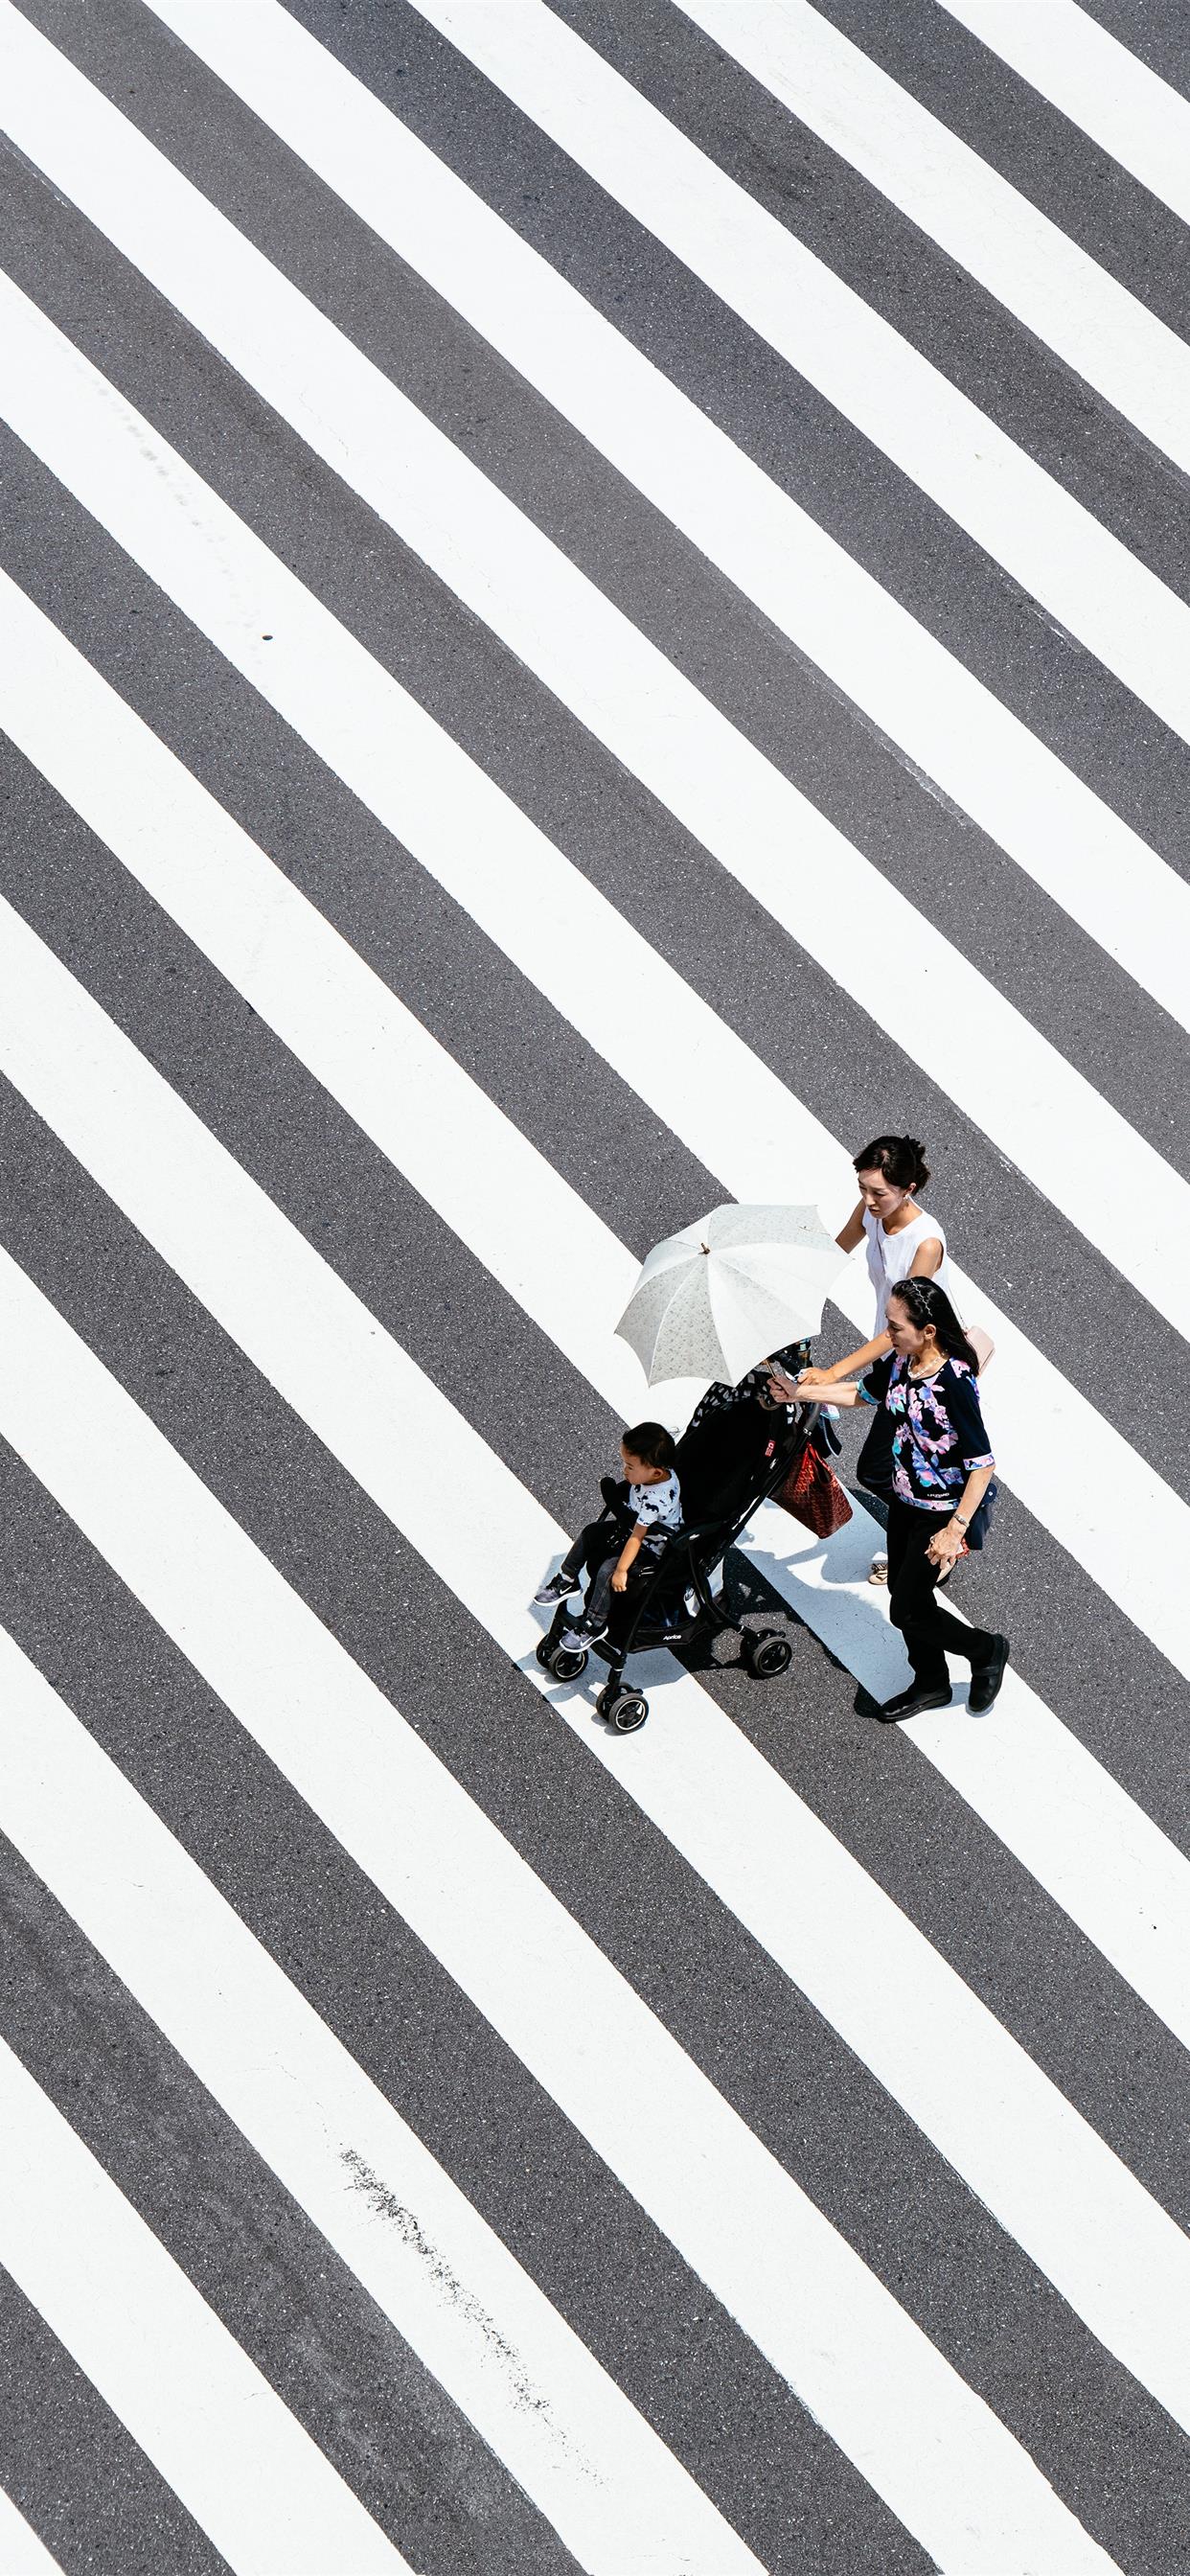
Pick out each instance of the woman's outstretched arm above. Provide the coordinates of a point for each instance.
(807, 1388)
(861, 1359)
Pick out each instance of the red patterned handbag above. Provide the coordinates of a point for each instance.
(813, 1495)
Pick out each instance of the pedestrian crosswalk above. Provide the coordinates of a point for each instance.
(1085, 71)
(611, 678)
(120, 2304)
(669, 2137)
(1027, 262)
(480, 850)
(869, 372)
(583, 2454)
(1123, 1882)
(811, 589)
(702, 1785)
(472, 800)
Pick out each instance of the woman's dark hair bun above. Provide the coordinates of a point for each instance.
(901, 1159)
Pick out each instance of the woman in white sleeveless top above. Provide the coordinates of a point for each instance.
(901, 1242)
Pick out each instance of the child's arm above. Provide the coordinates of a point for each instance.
(628, 1556)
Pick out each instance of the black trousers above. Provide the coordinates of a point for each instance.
(874, 1465)
(929, 1631)
(595, 1553)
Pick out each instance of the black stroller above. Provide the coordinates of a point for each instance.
(728, 1465)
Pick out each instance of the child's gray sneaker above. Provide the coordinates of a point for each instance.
(559, 1587)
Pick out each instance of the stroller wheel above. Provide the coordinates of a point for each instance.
(766, 1655)
(626, 1709)
(566, 1662)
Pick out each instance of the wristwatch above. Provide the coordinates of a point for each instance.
(957, 1522)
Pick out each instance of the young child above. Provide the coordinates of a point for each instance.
(652, 1506)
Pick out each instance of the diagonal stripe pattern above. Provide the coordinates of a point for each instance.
(508, 1098)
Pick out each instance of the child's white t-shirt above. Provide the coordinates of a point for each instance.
(658, 1506)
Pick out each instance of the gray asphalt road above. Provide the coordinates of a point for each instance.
(83, 2473)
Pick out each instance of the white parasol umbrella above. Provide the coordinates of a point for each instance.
(717, 1298)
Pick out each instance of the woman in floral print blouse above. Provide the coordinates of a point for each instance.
(942, 1467)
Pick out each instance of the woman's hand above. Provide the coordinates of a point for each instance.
(946, 1546)
(814, 1377)
(619, 1580)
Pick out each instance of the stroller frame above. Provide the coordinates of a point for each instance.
(685, 1564)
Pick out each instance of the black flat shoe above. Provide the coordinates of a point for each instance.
(986, 1678)
(910, 1703)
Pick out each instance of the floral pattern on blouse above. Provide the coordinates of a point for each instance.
(938, 1432)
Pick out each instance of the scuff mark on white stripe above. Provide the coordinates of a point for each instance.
(163, 2361)
(575, 2445)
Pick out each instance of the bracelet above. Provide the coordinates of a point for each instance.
(957, 1523)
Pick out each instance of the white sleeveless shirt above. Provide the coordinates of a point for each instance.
(890, 1258)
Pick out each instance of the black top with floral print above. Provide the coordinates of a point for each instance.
(938, 1433)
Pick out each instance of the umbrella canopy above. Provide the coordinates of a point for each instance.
(720, 1296)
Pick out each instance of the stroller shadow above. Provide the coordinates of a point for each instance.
(753, 1602)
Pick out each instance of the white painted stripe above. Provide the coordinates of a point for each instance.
(853, 920)
(1051, 285)
(1096, 82)
(1092, 1847)
(163, 2361)
(919, 695)
(934, 2451)
(972, 2089)
(21, 2552)
(519, 2373)
(1084, 579)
